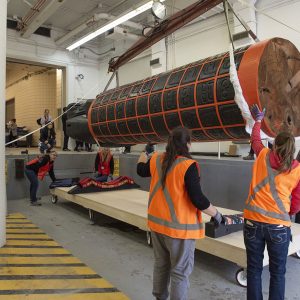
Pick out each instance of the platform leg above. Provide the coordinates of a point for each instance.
(92, 217)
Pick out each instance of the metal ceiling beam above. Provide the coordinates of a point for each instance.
(40, 17)
(165, 28)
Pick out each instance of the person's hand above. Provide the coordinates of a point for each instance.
(48, 145)
(218, 219)
(149, 148)
(257, 113)
(46, 142)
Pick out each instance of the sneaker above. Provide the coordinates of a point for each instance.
(35, 204)
(249, 157)
(66, 149)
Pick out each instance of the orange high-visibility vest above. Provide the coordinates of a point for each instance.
(42, 170)
(270, 192)
(170, 210)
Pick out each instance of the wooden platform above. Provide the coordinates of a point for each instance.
(130, 206)
(35, 267)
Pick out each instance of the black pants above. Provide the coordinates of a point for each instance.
(66, 140)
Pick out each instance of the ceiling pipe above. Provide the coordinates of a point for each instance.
(35, 9)
(39, 18)
(91, 22)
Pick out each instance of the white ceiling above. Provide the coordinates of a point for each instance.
(72, 13)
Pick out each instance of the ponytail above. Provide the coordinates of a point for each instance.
(177, 145)
(285, 149)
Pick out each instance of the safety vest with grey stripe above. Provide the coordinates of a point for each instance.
(270, 179)
(174, 223)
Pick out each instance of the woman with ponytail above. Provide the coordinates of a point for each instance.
(274, 196)
(174, 213)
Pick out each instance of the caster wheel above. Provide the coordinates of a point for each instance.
(241, 277)
(297, 254)
(54, 199)
(149, 238)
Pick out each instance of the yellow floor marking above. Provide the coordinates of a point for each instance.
(53, 284)
(13, 286)
(46, 271)
(33, 251)
(15, 215)
(27, 236)
(99, 296)
(27, 230)
(39, 260)
(31, 243)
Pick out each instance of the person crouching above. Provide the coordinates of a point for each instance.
(36, 170)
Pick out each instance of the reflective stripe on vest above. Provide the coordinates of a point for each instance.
(174, 222)
(270, 179)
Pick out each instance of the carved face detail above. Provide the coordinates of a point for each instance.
(279, 86)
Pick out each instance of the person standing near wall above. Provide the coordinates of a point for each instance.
(64, 119)
(275, 180)
(174, 213)
(13, 131)
(46, 118)
(104, 164)
(36, 170)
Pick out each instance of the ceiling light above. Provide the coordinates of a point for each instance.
(112, 24)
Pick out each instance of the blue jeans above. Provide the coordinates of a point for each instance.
(277, 238)
(101, 178)
(44, 147)
(34, 184)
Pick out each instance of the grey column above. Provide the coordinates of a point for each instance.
(3, 15)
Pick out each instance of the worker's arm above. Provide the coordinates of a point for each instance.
(96, 162)
(199, 200)
(112, 165)
(295, 201)
(143, 165)
(256, 143)
(51, 173)
(258, 115)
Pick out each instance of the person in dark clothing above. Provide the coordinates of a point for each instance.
(78, 144)
(175, 207)
(13, 132)
(64, 125)
(47, 138)
(88, 147)
(36, 170)
(104, 165)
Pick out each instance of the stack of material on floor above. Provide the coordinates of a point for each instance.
(90, 185)
(232, 223)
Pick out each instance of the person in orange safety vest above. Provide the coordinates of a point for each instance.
(174, 213)
(36, 170)
(275, 184)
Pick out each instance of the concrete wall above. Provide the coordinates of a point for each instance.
(66, 166)
(225, 182)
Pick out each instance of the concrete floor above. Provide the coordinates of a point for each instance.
(120, 254)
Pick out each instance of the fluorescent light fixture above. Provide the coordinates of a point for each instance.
(113, 24)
